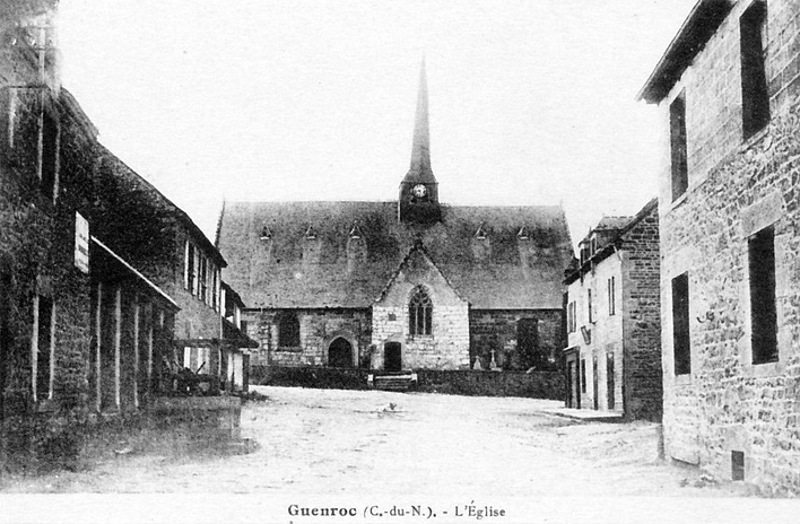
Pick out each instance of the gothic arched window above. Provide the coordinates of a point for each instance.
(420, 313)
(288, 329)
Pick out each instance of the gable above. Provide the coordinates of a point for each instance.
(417, 269)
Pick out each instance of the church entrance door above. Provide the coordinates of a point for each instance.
(392, 358)
(340, 354)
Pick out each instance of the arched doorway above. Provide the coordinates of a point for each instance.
(340, 354)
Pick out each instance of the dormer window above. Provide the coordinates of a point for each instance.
(266, 234)
(310, 234)
(480, 234)
(584, 248)
(355, 231)
(522, 234)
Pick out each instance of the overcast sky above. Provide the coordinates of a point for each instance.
(531, 102)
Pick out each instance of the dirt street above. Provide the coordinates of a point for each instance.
(330, 442)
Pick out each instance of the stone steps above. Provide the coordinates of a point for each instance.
(394, 382)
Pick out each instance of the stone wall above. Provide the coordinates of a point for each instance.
(641, 312)
(627, 334)
(318, 329)
(537, 384)
(727, 403)
(498, 329)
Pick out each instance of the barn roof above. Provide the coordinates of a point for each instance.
(268, 247)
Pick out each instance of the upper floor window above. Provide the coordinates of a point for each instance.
(189, 273)
(571, 320)
(288, 329)
(49, 161)
(612, 296)
(420, 313)
(203, 280)
(589, 304)
(29, 135)
(677, 140)
(763, 311)
(755, 97)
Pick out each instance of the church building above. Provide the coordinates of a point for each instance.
(404, 285)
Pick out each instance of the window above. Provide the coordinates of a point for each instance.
(737, 465)
(202, 293)
(49, 164)
(612, 303)
(43, 345)
(420, 313)
(189, 270)
(571, 321)
(197, 359)
(288, 329)
(763, 314)
(532, 355)
(589, 304)
(214, 285)
(680, 325)
(593, 246)
(677, 140)
(755, 97)
(584, 253)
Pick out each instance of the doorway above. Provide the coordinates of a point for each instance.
(610, 383)
(392, 357)
(340, 354)
(573, 378)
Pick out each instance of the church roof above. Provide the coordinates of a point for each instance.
(517, 263)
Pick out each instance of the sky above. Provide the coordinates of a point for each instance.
(531, 102)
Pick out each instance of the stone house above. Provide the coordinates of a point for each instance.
(235, 364)
(62, 356)
(92, 259)
(613, 354)
(727, 90)
(161, 240)
(400, 285)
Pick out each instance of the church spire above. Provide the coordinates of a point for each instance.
(419, 191)
(420, 170)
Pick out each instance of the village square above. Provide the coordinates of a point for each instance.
(410, 344)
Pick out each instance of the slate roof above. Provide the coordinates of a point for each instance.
(519, 273)
(614, 222)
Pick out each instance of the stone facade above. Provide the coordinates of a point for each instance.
(317, 331)
(89, 256)
(734, 415)
(614, 351)
(447, 345)
(500, 330)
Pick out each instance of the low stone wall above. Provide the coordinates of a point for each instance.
(309, 377)
(548, 385)
(540, 384)
(45, 441)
